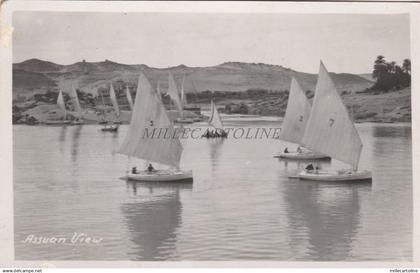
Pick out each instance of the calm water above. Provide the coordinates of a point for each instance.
(241, 205)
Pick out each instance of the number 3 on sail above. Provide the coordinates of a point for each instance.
(148, 110)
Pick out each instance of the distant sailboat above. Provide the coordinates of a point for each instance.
(147, 138)
(331, 131)
(114, 102)
(178, 99)
(294, 124)
(129, 98)
(77, 107)
(216, 122)
(62, 106)
(104, 121)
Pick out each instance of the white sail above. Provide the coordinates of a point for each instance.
(174, 94)
(61, 104)
(215, 119)
(114, 100)
(76, 101)
(330, 130)
(183, 97)
(149, 114)
(297, 114)
(158, 90)
(129, 98)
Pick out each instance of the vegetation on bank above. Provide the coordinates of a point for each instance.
(389, 78)
(390, 75)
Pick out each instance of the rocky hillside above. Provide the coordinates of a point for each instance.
(39, 76)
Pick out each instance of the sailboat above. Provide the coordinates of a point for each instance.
(114, 102)
(111, 128)
(77, 107)
(144, 139)
(179, 100)
(331, 131)
(294, 124)
(103, 119)
(216, 122)
(62, 106)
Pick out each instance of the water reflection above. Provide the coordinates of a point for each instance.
(392, 131)
(324, 218)
(75, 142)
(152, 217)
(215, 146)
(62, 138)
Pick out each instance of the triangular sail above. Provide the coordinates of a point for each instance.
(75, 98)
(151, 134)
(183, 97)
(129, 98)
(158, 90)
(174, 94)
(215, 119)
(330, 130)
(297, 114)
(61, 104)
(114, 100)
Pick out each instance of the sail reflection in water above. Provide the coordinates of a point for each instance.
(153, 216)
(324, 219)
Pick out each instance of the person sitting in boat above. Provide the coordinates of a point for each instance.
(299, 149)
(150, 168)
(134, 170)
(309, 168)
(286, 151)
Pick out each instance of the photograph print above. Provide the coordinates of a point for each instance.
(193, 136)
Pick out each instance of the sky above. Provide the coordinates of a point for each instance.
(344, 42)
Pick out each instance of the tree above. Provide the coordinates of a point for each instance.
(389, 75)
(406, 66)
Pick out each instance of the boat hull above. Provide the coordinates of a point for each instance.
(336, 176)
(110, 129)
(161, 176)
(303, 156)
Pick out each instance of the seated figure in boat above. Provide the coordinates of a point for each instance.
(286, 151)
(310, 168)
(299, 149)
(134, 170)
(150, 168)
(206, 134)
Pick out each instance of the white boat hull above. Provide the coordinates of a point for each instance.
(302, 156)
(161, 176)
(336, 176)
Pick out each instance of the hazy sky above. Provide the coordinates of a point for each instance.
(346, 43)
